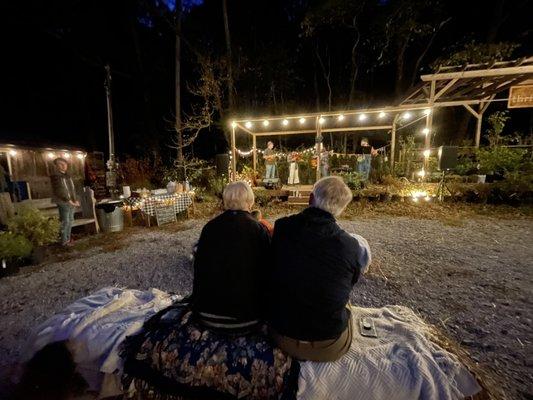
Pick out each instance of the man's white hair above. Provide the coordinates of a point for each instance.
(238, 196)
(332, 195)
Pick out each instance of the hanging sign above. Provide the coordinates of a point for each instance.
(520, 96)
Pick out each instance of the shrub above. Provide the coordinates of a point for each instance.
(217, 184)
(34, 226)
(500, 160)
(14, 247)
(352, 179)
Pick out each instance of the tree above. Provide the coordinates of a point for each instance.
(177, 88)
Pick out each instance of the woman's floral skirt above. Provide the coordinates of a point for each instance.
(175, 357)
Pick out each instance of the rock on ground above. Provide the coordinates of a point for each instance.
(473, 281)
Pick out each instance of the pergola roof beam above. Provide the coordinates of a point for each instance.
(331, 130)
(478, 73)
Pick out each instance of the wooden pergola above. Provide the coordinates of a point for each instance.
(471, 86)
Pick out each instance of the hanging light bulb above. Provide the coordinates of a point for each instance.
(321, 120)
(340, 117)
(362, 117)
(427, 111)
(285, 122)
(421, 173)
(12, 153)
(406, 115)
(425, 131)
(233, 124)
(66, 155)
(248, 124)
(427, 153)
(302, 120)
(51, 155)
(81, 156)
(382, 115)
(266, 122)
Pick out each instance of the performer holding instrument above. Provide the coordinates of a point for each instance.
(269, 155)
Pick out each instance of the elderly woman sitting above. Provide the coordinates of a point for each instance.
(230, 263)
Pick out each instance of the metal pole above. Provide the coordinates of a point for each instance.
(111, 177)
(318, 146)
(233, 156)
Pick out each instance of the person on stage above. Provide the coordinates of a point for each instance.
(293, 159)
(324, 161)
(364, 159)
(269, 156)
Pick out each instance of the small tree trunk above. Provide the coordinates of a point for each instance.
(231, 101)
(179, 134)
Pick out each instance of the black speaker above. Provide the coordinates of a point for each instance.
(222, 163)
(447, 157)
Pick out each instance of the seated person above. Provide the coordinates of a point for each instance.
(315, 265)
(259, 216)
(230, 262)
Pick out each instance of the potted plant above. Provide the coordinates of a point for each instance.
(14, 252)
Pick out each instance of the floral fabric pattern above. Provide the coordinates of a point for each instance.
(176, 355)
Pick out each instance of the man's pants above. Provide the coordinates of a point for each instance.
(324, 171)
(363, 167)
(66, 216)
(270, 171)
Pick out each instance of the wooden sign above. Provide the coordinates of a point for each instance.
(520, 96)
(165, 214)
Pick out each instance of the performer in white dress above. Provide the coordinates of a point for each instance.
(293, 159)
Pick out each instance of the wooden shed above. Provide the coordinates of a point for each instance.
(31, 167)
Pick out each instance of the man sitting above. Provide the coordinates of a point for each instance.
(315, 265)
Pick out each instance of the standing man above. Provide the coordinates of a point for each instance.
(270, 161)
(324, 161)
(364, 160)
(64, 195)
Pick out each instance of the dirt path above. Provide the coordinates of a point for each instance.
(474, 281)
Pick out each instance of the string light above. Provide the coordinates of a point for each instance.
(427, 111)
(266, 122)
(248, 124)
(51, 155)
(285, 122)
(421, 173)
(233, 124)
(66, 155)
(12, 153)
(340, 117)
(81, 156)
(321, 120)
(362, 117)
(406, 115)
(302, 120)
(425, 131)
(427, 153)
(382, 115)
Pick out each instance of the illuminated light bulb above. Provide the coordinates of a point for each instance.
(427, 153)
(425, 131)
(248, 124)
(382, 115)
(66, 155)
(415, 199)
(421, 173)
(285, 122)
(427, 198)
(302, 120)
(340, 117)
(51, 155)
(12, 153)
(321, 120)
(406, 115)
(427, 111)
(362, 117)
(80, 156)
(266, 122)
(233, 124)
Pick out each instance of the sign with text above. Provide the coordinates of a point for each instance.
(520, 96)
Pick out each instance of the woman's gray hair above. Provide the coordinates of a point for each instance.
(332, 195)
(238, 196)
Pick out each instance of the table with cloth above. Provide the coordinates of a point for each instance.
(180, 202)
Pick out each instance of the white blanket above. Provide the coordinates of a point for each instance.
(400, 364)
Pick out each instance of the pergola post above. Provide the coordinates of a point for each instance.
(478, 129)
(318, 145)
(254, 153)
(233, 156)
(429, 123)
(393, 144)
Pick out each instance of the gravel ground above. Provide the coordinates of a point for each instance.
(473, 281)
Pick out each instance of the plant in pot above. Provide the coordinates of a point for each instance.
(37, 228)
(14, 252)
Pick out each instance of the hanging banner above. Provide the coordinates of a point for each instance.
(520, 96)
